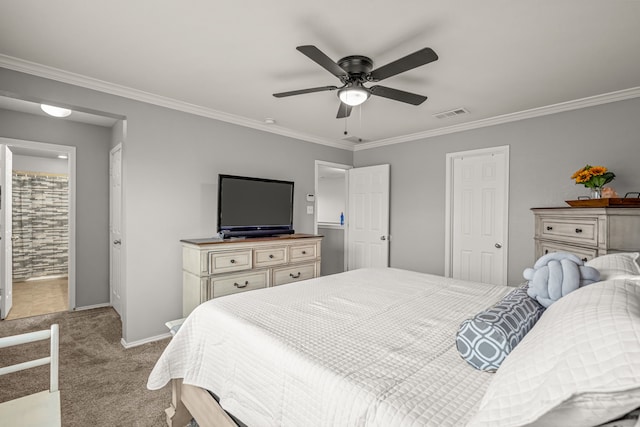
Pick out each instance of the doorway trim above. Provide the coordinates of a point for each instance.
(346, 206)
(449, 199)
(71, 164)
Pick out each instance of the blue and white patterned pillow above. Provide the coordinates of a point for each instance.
(486, 339)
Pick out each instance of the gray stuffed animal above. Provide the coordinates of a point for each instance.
(556, 274)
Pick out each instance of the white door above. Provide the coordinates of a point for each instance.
(368, 217)
(6, 248)
(479, 215)
(115, 219)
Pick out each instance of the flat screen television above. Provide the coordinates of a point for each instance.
(254, 206)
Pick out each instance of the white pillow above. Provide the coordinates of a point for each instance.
(615, 266)
(578, 366)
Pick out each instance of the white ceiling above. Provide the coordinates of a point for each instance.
(497, 57)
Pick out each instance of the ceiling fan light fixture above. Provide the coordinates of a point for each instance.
(55, 111)
(353, 95)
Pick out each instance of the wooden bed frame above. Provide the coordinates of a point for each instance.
(189, 402)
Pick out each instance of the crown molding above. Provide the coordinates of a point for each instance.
(40, 70)
(21, 65)
(590, 101)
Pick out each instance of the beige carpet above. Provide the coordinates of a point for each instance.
(101, 383)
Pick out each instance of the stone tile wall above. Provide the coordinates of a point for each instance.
(41, 225)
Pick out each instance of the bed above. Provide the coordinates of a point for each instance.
(370, 347)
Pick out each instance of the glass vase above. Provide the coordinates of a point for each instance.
(596, 193)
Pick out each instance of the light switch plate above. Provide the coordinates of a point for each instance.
(310, 209)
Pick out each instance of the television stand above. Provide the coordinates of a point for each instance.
(216, 267)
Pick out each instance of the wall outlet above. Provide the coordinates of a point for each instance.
(310, 209)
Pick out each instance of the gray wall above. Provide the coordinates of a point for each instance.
(39, 164)
(92, 193)
(544, 152)
(171, 161)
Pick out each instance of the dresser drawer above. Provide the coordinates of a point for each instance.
(583, 253)
(269, 256)
(293, 274)
(228, 261)
(302, 252)
(226, 285)
(583, 231)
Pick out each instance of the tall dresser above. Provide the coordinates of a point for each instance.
(586, 232)
(212, 268)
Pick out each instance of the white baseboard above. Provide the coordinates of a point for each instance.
(144, 341)
(90, 307)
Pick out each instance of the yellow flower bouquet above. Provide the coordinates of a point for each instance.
(593, 176)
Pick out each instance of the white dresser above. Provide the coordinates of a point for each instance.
(586, 232)
(213, 268)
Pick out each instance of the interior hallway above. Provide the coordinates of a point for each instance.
(37, 297)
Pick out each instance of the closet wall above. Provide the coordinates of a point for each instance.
(331, 200)
(40, 218)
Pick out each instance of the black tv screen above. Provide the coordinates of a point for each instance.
(254, 206)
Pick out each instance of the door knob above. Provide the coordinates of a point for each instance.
(383, 237)
(117, 242)
(498, 245)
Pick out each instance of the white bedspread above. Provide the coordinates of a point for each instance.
(370, 347)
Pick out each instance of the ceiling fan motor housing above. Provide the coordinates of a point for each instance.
(356, 65)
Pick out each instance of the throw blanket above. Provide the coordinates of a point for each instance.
(556, 274)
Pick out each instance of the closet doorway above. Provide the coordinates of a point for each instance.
(41, 228)
(331, 204)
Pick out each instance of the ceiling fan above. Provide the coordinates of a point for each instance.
(353, 71)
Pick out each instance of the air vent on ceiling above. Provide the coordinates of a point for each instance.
(354, 139)
(451, 113)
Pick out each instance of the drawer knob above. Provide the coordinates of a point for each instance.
(232, 261)
(294, 276)
(271, 256)
(578, 230)
(549, 228)
(304, 252)
(246, 282)
(546, 251)
(585, 259)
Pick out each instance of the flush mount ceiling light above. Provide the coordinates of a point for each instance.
(353, 95)
(55, 111)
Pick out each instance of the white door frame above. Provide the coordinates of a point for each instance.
(6, 250)
(70, 151)
(449, 198)
(346, 205)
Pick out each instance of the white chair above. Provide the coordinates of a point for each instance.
(40, 409)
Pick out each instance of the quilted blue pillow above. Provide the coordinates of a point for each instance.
(486, 339)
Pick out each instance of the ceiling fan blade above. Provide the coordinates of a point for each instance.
(344, 111)
(303, 91)
(409, 62)
(397, 95)
(323, 60)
